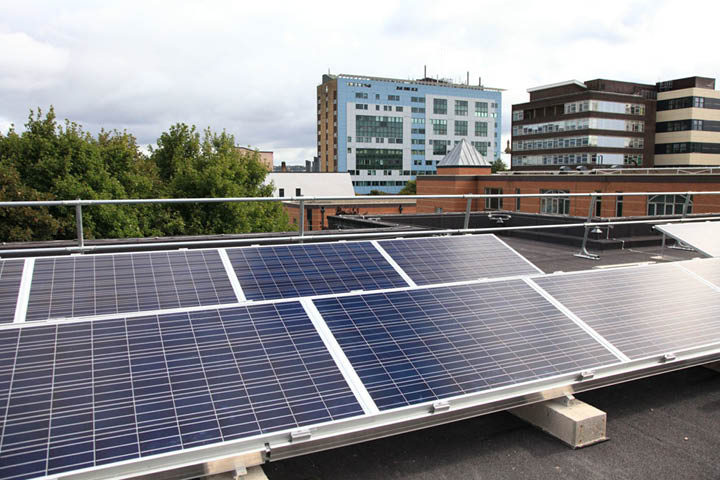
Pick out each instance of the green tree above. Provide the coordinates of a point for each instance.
(209, 166)
(64, 162)
(498, 166)
(410, 188)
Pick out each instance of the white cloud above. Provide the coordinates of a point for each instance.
(252, 68)
(27, 64)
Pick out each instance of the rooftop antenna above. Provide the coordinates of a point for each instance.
(424, 71)
(468, 79)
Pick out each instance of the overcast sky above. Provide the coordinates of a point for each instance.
(251, 68)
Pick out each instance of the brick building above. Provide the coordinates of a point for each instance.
(463, 179)
(600, 123)
(266, 157)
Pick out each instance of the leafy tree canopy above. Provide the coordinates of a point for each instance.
(59, 161)
(410, 188)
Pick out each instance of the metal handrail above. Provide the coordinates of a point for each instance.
(79, 203)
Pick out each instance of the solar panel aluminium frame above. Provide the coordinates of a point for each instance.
(678, 237)
(226, 456)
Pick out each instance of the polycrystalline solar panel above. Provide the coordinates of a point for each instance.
(708, 269)
(67, 287)
(304, 270)
(451, 259)
(84, 394)
(643, 311)
(10, 276)
(703, 236)
(420, 345)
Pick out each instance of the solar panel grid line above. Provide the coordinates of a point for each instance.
(437, 260)
(676, 311)
(139, 352)
(230, 271)
(532, 265)
(398, 378)
(346, 368)
(394, 264)
(568, 313)
(295, 271)
(686, 267)
(23, 294)
(97, 285)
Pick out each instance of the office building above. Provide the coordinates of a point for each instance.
(602, 123)
(688, 123)
(386, 131)
(599, 123)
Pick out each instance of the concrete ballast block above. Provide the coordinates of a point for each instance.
(568, 419)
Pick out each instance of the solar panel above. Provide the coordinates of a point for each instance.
(293, 271)
(10, 276)
(65, 287)
(702, 236)
(643, 311)
(84, 394)
(419, 345)
(451, 259)
(708, 269)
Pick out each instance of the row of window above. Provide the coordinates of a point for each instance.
(688, 102)
(440, 107)
(560, 205)
(388, 173)
(687, 147)
(377, 140)
(378, 158)
(364, 95)
(371, 126)
(378, 183)
(440, 127)
(578, 159)
(575, 142)
(605, 107)
(580, 124)
(386, 108)
(684, 125)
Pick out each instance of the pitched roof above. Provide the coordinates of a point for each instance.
(463, 155)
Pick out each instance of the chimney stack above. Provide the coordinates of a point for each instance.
(283, 167)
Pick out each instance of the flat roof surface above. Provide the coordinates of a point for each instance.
(667, 426)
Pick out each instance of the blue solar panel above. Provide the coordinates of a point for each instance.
(10, 277)
(451, 259)
(67, 287)
(85, 394)
(643, 311)
(420, 345)
(304, 270)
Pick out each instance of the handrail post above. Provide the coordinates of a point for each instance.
(79, 225)
(301, 227)
(583, 253)
(468, 205)
(686, 205)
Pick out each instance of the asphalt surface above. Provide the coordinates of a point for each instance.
(667, 426)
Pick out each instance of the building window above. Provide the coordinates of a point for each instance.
(493, 203)
(481, 147)
(598, 205)
(298, 192)
(394, 98)
(481, 129)
(461, 107)
(619, 205)
(440, 106)
(461, 127)
(398, 109)
(516, 114)
(517, 199)
(361, 95)
(439, 126)
(440, 146)
(281, 192)
(481, 109)
(668, 204)
(555, 205)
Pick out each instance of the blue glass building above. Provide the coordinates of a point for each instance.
(387, 131)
